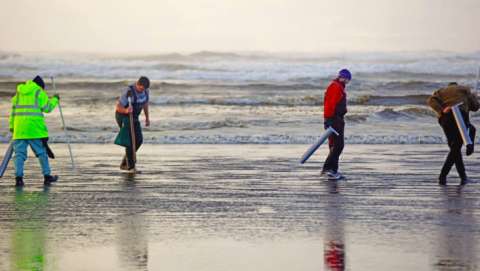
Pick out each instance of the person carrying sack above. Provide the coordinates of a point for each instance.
(441, 102)
(139, 96)
(27, 124)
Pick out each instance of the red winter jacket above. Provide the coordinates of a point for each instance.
(335, 100)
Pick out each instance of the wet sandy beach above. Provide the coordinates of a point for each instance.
(242, 207)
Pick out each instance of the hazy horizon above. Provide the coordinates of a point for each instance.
(166, 26)
(324, 53)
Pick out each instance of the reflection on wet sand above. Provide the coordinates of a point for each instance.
(334, 250)
(132, 231)
(456, 248)
(28, 250)
(241, 208)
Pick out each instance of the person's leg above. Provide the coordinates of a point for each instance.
(40, 151)
(138, 135)
(446, 121)
(337, 151)
(119, 119)
(455, 143)
(454, 157)
(456, 147)
(471, 131)
(447, 166)
(456, 151)
(20, 148)
(327, 165)
(129, 156)
(339, 143)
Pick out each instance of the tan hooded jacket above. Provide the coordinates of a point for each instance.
(453, 95)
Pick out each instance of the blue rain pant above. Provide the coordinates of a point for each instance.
(20, 146)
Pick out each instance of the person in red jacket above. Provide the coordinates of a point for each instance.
(335, 108)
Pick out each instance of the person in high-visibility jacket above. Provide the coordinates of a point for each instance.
(28, 127)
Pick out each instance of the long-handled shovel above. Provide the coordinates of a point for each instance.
(132, 133)
(6, 159)
(64, 128)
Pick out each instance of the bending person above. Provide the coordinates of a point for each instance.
(441, 101)
(139, 95)
(335, 108)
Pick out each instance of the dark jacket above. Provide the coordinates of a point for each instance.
(453, 95)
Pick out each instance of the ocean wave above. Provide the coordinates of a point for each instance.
(7, 55)
(240, 101)
(410, 85)
(181, 67)
(180, 126)
(371, 57)
(315, 86)
(396, 74)
(184, 57)
(390, 100)
(308, 100)
(224, 94)
(419, 111)
(356, 118)
(237, 67)
(6, 94)
(162, 85)
(392, 114)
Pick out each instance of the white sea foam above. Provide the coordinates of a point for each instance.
(249, 139)
(211, 98)
(221, 68)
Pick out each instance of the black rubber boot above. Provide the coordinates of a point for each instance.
(442, 180)
(48, 179)
(464, 181)
(19, 182)
(470, 149)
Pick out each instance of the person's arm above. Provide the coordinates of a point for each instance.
(122, 105)
(474, 105)
(121, 109)
(147, 115)
(435, 102)
(47, 105)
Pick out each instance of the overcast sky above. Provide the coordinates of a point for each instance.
(147, 26)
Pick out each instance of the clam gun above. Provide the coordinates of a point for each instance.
(462, 127)
(317, 144)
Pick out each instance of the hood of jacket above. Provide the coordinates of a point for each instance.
(27, 88)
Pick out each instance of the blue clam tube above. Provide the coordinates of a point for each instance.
(461, 124)
(6, 159)
(317, 144)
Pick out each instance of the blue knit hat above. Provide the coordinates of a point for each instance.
(344, 73)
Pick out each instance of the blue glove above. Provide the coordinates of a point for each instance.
(328, 123)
